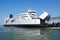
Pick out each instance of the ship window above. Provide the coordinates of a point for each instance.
(25, 16)
(6, 21)
(33, 14)
(12, 20)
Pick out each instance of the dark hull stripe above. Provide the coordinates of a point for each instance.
(30, 25)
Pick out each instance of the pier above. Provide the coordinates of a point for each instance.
(47, 22)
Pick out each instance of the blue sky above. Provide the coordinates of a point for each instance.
(17, 6)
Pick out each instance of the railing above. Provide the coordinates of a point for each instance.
(55, 18)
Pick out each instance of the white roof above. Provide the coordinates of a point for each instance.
(44, 15)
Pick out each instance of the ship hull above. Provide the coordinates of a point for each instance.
(27, 25)
(23, 25)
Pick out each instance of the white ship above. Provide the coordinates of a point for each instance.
(24, 19)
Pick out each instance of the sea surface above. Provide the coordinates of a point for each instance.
(18, 33)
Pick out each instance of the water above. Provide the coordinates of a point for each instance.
(17, 33)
